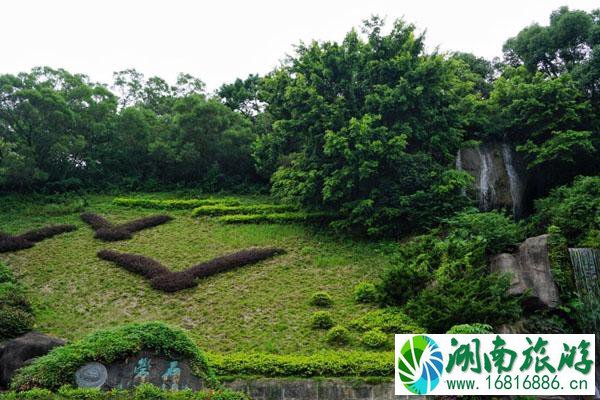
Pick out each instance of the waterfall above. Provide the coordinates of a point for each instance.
(459, 167)
(486, 192)
(514, 181)
(586, 263)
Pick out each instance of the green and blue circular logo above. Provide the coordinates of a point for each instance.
(420, 364)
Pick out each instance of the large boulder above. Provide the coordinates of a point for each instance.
(20, 351)
(499, 175)
(531, 271)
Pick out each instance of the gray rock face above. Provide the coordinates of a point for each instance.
(530, 269)
(145, 367)
(499, 176)
(18, 352)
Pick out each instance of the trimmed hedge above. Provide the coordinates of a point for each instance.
(58, 367)
(144, 391)
(324, 364)
(276, 218)
(471, 329)
(338, 335)
(110, 233)
(29, 238)
(176, 204)
(161, 278)
(222, 209)
(375, 339)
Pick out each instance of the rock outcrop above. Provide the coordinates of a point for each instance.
(499, 176)
(531, 271)
(145, 367)
(18, 352)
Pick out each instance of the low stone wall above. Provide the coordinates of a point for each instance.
(314, 389)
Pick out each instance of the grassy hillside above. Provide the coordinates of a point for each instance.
(262, 307)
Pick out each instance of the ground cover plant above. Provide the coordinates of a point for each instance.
(162, 278)
(30, 238)
(73, 292)
(110, 232)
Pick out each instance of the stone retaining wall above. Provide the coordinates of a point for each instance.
(314, 389)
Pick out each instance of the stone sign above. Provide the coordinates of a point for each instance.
(145, 367)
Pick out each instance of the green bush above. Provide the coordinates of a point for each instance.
(58, 367)
(463, 291)
(338, 335)
(388, 320)
(324, 364)
(277, 218)
(375, 339)
(14, 322)
(575, 209)
(560, 264)
(144, 391)
(498, 232)
(365, 292)
(16, 314)
(176, 204)
(321, 299)
(321, 320)
(403, 281)
(6, 274)
(223, 209)
(471, 329)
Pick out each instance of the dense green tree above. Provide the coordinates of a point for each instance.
(369, 127)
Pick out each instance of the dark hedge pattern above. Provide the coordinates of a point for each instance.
(110, 233)
(29, 238)
(161, 278)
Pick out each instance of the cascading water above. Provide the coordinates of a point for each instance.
(586, 264)
(486, 192)
(514, 180)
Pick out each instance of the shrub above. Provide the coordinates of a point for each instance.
(560, 264)
(14, 322)
(162, 278)
(177, 204)
(58, 367)
(338, 335)
(575, 209)
(498, 232)
(365, 292)
(278, 218)
(375, 339)
(388, 320)
(404, 280)
(29, 238)
(471, 329)
(109, 232)
(464, 292)
(224, 209)
(324, 363)
(321, 299)
(321, 320)
(16, 316)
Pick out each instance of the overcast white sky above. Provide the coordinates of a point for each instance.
(219, 41)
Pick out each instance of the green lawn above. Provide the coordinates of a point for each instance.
(263, 307)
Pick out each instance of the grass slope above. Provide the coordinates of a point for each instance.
(261, 308)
